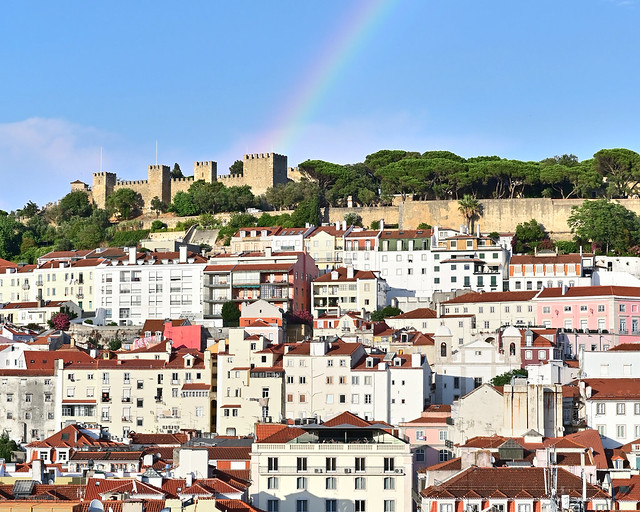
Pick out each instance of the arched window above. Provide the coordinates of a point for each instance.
(443, 349)
(512, 349)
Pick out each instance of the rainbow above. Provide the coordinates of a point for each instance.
(358, 27)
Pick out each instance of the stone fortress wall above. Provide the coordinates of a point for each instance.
(260, 171)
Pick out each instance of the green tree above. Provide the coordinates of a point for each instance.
(605, 225)
(183, 205)
(470, 208)
(7, 446)
(236, 167)
(29, 210)
(74, 204)
(528, 237)
(385, 312)
(353, 219)
(124, 203)
(176, 172)
(158, 205)
(230, 314)
(308, 211)
(10, 237)
(157, 225)
(621, 168)
(505, 378)
(116, 343)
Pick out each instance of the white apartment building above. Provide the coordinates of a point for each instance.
(493, 310)
(345, 464)
(150, 285)
(462, 325)
(620, 361)
(345, 289)
(155, 389)
(612, 406)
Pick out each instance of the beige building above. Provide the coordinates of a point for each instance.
(325, 245)
(511, 411)
(345, 289)
(155, 389)
(345, 463)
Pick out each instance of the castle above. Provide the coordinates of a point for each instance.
(260, 171)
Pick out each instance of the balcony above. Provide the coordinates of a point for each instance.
(217, 284)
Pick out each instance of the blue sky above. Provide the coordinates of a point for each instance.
(213, 80)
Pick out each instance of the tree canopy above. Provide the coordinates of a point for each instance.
(605, 226)
(124, 203)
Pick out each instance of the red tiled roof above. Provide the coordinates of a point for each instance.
(417, 314)
(527, 259)
(229, 452)
(515, 296)
(614, 389)
(342, 275)
(346, 418)
(196, 386)
(626, 347)
(513, 482)
(280, 435)
(153, 439)
(590, 291)
(627, 489)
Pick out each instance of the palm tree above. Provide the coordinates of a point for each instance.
(469, 207)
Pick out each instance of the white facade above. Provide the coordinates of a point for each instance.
(368, 472)
(610, 364)
(158, 285)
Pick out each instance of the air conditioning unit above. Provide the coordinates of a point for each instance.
(347, 470)
(398, 470)
(318, 470)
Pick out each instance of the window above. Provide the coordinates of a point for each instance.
(360, 482)
(28, 397)
(389, 483)
(273, 505)
(360, 464)
(445, 507)
(330, 464)
(367, 399)
(302, 380)
(331, 482)
(272, 482)
(302, 506)
(443, 455)
(442, 435)
(620, 409)
(272, 464)
(420, 455)
(359, 506)
(389, 464)
(443, 349)
(524, 507)
(301, 465)
(620, 431)
(600, 308)
(331, 505)
(636, 408)
(389, 506)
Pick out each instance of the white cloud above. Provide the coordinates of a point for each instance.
(40, 157)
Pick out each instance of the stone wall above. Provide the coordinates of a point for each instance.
(497, 214)
(80, 333)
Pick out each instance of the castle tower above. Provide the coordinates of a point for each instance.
(264, 170)
(159, 184)
(207, 171)
(103, 184)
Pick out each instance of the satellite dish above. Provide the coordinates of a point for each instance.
(96, 506)
(166, 509)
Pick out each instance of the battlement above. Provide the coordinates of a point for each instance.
(207, 164)
(131, 182)
(158, 167)
(105, 173)
(184, 178)
(252, 156)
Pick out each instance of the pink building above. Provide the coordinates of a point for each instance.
(429, 436)
(594, 317)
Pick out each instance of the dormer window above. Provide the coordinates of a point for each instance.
(397, 361)
(369, 362)
(528, 339)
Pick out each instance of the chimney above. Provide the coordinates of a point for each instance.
(381, 224)
(189, 479)
(183, 254)
(338, 225)
(133, 255)
(344, 225)
(416, 359)
(268, 252)
(349, 272)
(478, 230)
(564, 289)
